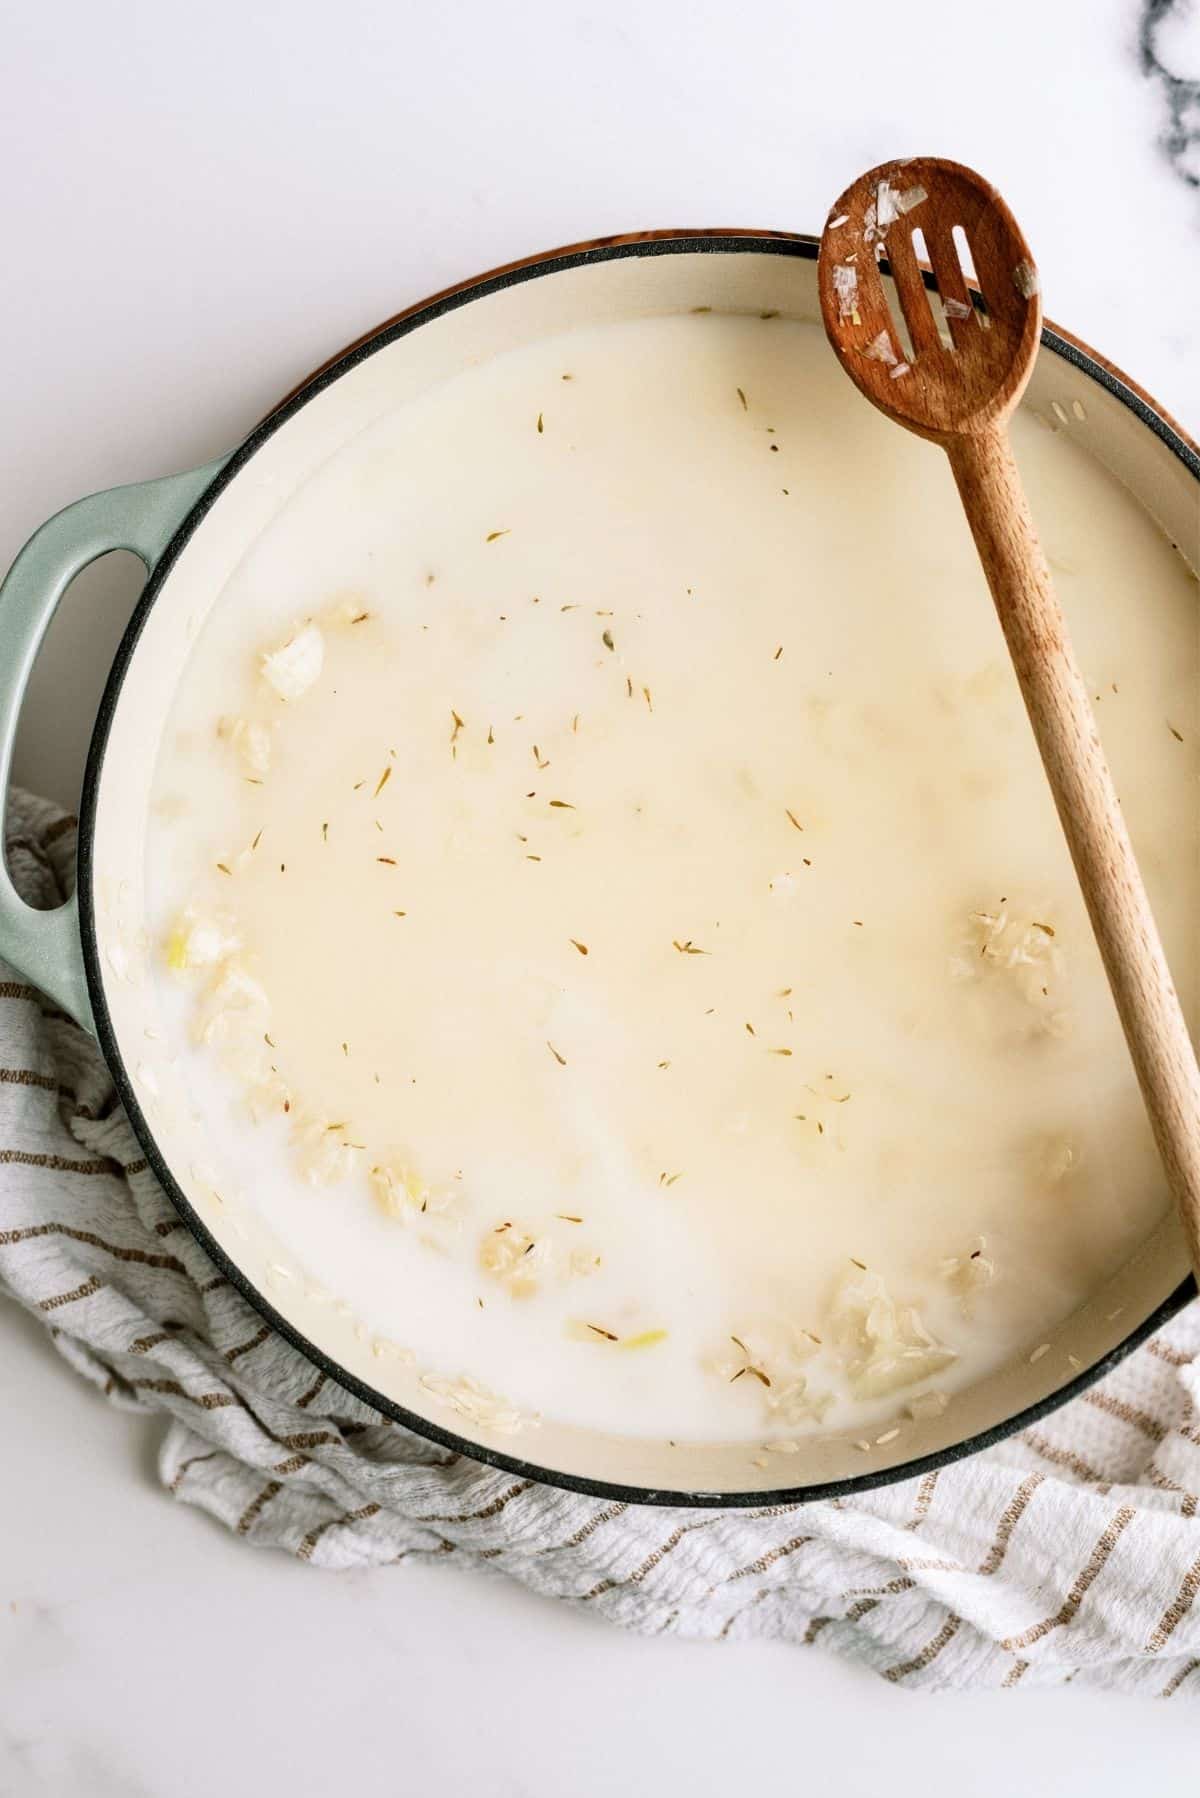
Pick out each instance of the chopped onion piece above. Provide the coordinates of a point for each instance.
(296, 665)
(886, 1345)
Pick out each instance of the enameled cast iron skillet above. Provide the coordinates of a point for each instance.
(191, 530)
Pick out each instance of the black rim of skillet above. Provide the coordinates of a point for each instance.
(715, 243)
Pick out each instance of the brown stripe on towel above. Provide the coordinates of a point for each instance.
(256, 1505)
(652, 1560)
(929, 1653)
(302, 1404)
(27, 1077)
(32, 1231)
(60, 1164)
(244, 1348)
(489, 1510)
(769, 1559)
(1176, 1680)
(207, 1401)
(1130, 1414)
(1061, 1457)
(1176, 1611)
(925, 1492)
(304, 1552)
(1117, 1525)
(184, 1465)
(1008, 1523)
(1172, 1356)
(68, 1298)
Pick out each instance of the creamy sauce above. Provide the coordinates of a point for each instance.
(653, 907)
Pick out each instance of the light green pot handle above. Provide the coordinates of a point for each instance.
(45, 946)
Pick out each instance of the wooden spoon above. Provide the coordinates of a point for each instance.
(958, 386)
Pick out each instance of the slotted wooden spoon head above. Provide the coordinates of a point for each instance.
(968, 367)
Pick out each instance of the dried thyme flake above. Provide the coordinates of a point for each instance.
(792, 819)
(491, 736)
(541, 427)
(225, 868)
(664, 1064)
(670, 1179)
(538, 757)
(607, 639)
(324, 833)
(750, 1029)
(688, 948)
(560, 1059)
(567, 1217)
(562, 805)
(576, 944)
(257, 840)
(629, 686)
(382, 782)
(742, 397)
(389, 859)
(399, 914)
(492, 535)
(575, 724)
(778, 653)
(360, 618)
(1177, 734)
(779, 1051)
(773, 313)
(606, 1334)
(647, 698)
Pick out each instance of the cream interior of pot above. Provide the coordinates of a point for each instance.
(741, 281)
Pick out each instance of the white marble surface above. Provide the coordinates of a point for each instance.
(209, 201)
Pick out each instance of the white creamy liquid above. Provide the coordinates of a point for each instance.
(677, 654)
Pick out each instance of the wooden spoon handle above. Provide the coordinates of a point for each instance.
(1065, 727)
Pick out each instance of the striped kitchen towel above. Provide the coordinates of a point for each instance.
(1070, 1551)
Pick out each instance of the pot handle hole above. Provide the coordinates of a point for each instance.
(45, 946)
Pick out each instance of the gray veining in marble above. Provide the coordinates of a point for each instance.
(1169, 51)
